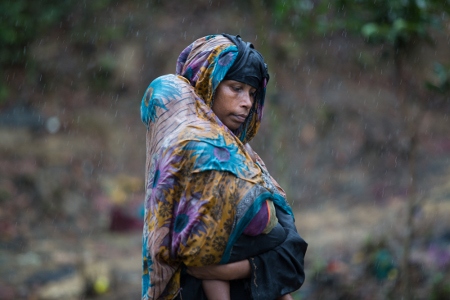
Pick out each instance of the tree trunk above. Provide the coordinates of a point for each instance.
(411, 127)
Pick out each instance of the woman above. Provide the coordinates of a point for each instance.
(208, 195)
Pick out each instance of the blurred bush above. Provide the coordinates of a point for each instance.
(22, 22)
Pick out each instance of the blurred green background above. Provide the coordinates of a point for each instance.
(356, 129)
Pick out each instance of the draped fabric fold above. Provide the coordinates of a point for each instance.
(202, 186)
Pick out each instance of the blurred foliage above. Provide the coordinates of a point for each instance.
(85, 20)
(22, 22)
(304, 17)
(326, 117)
(441, 84)
(102, 74)
(401, 25)
(397, 22)
(379, 259)
(441, 287)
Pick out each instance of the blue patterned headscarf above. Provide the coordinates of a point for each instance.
(211, 59)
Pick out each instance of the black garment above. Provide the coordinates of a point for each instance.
(249, 66)
(275, 272)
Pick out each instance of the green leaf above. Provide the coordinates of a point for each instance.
(370, 30)
(400, 25)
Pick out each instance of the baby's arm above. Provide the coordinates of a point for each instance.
(216, 289)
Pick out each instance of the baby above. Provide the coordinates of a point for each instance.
(263, 222)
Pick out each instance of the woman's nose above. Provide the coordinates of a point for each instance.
(248, 100)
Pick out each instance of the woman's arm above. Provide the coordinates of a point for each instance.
(273, 273)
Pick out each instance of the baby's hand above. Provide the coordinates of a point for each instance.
(285, 297)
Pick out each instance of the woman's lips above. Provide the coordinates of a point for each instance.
(240, 118)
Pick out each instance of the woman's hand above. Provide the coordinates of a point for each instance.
(232, 271)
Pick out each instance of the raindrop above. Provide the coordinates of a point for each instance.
(53, 124)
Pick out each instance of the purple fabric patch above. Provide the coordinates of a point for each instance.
(259, 221)
(226, 59)
(222, 154)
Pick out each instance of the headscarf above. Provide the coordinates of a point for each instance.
(209, 60)
(202, 186)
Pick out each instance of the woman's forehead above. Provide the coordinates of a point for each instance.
(231, 81)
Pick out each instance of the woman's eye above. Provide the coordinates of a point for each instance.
(237, 88)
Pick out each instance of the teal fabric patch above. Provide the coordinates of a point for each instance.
(215, 154)
(159, 92)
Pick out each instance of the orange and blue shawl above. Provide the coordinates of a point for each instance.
(202, 186)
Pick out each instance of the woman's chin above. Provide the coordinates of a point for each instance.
(233, 126)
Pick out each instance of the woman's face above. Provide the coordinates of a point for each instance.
(232, 102)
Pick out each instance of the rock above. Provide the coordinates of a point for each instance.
(98, 277)
(7, 292)
(73, 203)
(22, 116)
(122, 220)
(63, 282)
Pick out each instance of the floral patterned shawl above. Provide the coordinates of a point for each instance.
(202, 186)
